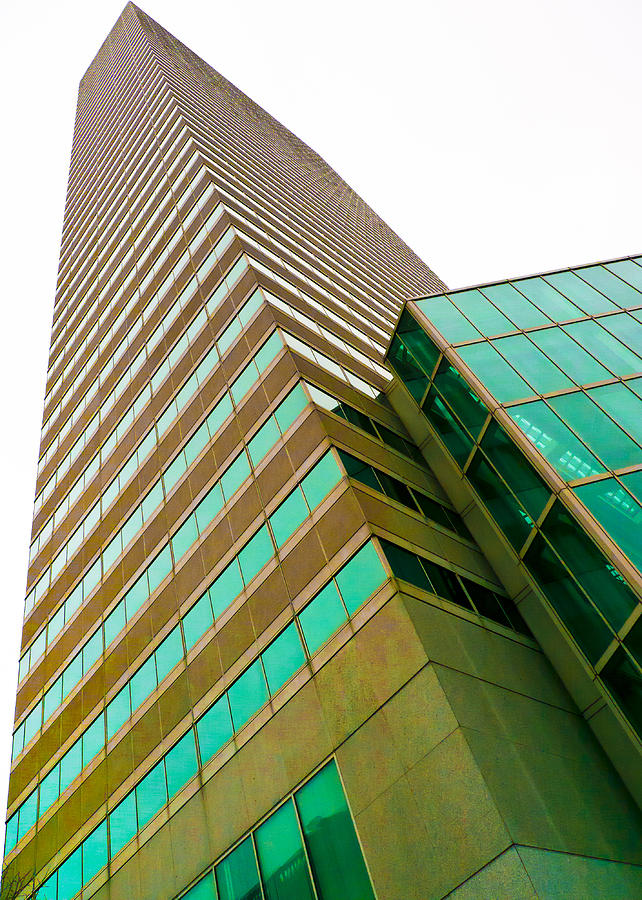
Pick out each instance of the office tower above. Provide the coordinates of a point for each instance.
(228, 687)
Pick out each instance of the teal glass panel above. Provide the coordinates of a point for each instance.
(263, 441)
(214, 729)
(622, 404)
(568, 354)
(322, 617)
(283, 658)
(407, 368)
(610, 285)
(605, 439)
(93, 740)
(546, 298)
(122, 824)
(243, 382)
(536, 368)
(237, 877)
(28, 814)
(320, 480)
(114, 623)
(454, 388)
(181, 763)
(92, 650)
(136, 596)
(513, 520)
(601, 581)
(183, 539)
(219, 414)
(447, 427)
(418, 343)
(626, 329)
(94, 852)
(227, 337)
(202, 890)
(247, 694)
(606, 348)
(518, 309)
(484, 316)
(513, 466)
(199, 440)
(70, 765)
(582, 294)
(255, 554)
(284, 870)
(268, 351)
(151, 794)
(618, 513)
(624, 680)
(118, 711)
(227, 586)
(494, 372)
(49, 791)
(564, 595)
(335, 855)
(288, 410)
(287, 518)
(209, 506)
(235, 475)
(360, 577)
(628, 271)
(70, 876)
(34, 720)
(11, 832)
(633, 483)
(53, 697)
(49, 890)
(554, 440)
(447, 319)
(169, 653)
(159, 569)
(197, 621)
(143, 682)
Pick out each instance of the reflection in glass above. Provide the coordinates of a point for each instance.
(284, 870)
(618, 514)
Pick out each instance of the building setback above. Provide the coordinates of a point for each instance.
(306, 618)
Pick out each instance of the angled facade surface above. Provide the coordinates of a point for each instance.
(304, 620)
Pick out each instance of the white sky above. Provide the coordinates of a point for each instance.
(497, 138)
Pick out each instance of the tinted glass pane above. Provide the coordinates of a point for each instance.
(184, 537)
(582, 294)
(70, 876)
(454, 388)
(481, 313)
(284, 869)
(554, 440)
(237, 877)
(407, 368)
(49, 792)
(318, 483)
(28, 814)
(169, 653)
(618, 513)
(209, 507)
(568, 354)
(569, 602)
(214, 728)
(93, 739)
(623, 405)
(122, 824)
(417, 341)
(265, 438)
(446, 584)
(633, 483)
(180, 763)
(288, 409)
(247, 694)
(518, 473)
(601, 434)
(114, 623)
(447, 319)
(406, 565)
(494, 372)
(197, 620)
(360, 577)
(255, 554)
(143, 682)
(628, 271)
(606, 348)
(118, 711)
(136, 596)
(447, 427)
(94, 852)
(609, 284)
(226, 587)
(151, 794)
(202, 890)
(624, 679)
(70, 765)
(288, 517)
(235, 475)
(486, 602)
(536, 368)
(550, 301)
(626, 329)
(507, 512)
(322, 617)
(518, 309)
(283, 657)
(335, 855)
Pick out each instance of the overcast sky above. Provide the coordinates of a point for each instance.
(497, 138)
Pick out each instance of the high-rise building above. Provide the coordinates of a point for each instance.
(284, 636)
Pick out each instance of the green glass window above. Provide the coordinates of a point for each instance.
(151, 794)
(406, 565)
(209, 506)
(243, 382)
(447, 319)
(536, 368)
(219, 414)
(520, 310)
(503, 506)
(143, 682)
(318, 483)
(197, 621)
(454, 388)
(628, 271)
(49, 791)
(633, 483)
(568, 354)
(196, 443)
(136, 596)
(622, 404)
(255, 554)
(582, 294)
(288, 410)
(484, 316)
(181, 763)
(94, 852)
(417, 341)
(183, 539)
(626, 329)
(247, 694)
(283, 657)
(169, 653)
(322, 617)
(70, 765)
(564, 595)
(214, 728)
(268, 351)
(624, 679)
(159, 569)
(235, 475)
(407, 368)
(118, 711)
(122, 824)
(546, 298)
(513, 466)
(93, 740)
(28, 814)
(227, 586)
(237, 877)
(70, 876)
(555, 441)
(600, 433)
(114, 623)
(202, 890)
(494, 372)
(287, 518)
(360, 577)
(447, 427)
(610, 352)
(618, 513)
(263, 441)
(284, 870)
(609, 284)
(335, 855)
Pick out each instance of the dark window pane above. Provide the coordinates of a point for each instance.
(394, 488)
(486, 602)
(406, 565)
(335, 855)
(446, 584)
(284, 869)
(237, 877)
(360, 470)
(513, 466)
(462, 399)
(447, 427)
(513, 520)
(624, 679)
(418, 342)
(407, 368)
(618, 513)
